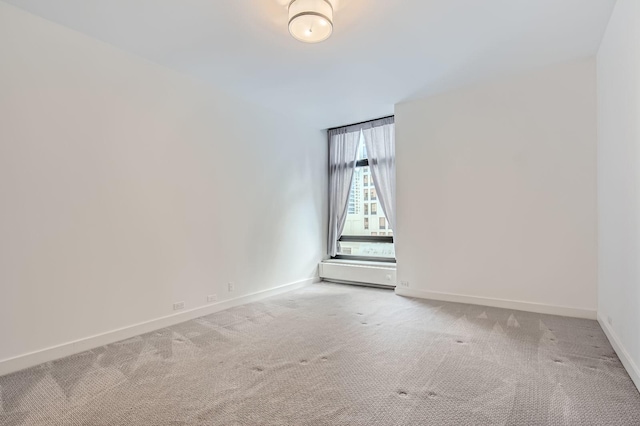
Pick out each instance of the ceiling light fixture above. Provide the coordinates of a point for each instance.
(310, 21)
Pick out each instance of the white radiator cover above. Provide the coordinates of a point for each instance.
(358, 272)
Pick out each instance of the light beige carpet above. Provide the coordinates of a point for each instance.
(338, 355)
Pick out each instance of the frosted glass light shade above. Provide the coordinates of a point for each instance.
(310, 21)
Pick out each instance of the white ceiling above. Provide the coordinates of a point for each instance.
(382, 51)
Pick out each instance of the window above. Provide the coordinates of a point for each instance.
(360, 238)
(352, 205)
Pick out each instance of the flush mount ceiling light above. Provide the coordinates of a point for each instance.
(311, 21)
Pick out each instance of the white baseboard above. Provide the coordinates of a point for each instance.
(32, 359)
(499, 303)
(625, 358)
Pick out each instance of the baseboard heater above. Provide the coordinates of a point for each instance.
(359, 273)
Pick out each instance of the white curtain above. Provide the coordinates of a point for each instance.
(379, 138)
(343, 149)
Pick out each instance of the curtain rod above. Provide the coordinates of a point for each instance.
(362, 122)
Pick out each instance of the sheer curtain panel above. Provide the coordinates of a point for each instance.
(343, 148)
(379, 138)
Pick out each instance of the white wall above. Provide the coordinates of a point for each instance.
(496, 192)
(125, 187)
(619, 183)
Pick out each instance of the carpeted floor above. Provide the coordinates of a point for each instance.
(338, 355)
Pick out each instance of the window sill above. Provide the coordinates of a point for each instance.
(387, 265)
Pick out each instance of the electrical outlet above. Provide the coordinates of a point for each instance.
(609, 320)
(212, 298)
(231, 287)
(178, 305)
(404, 283)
